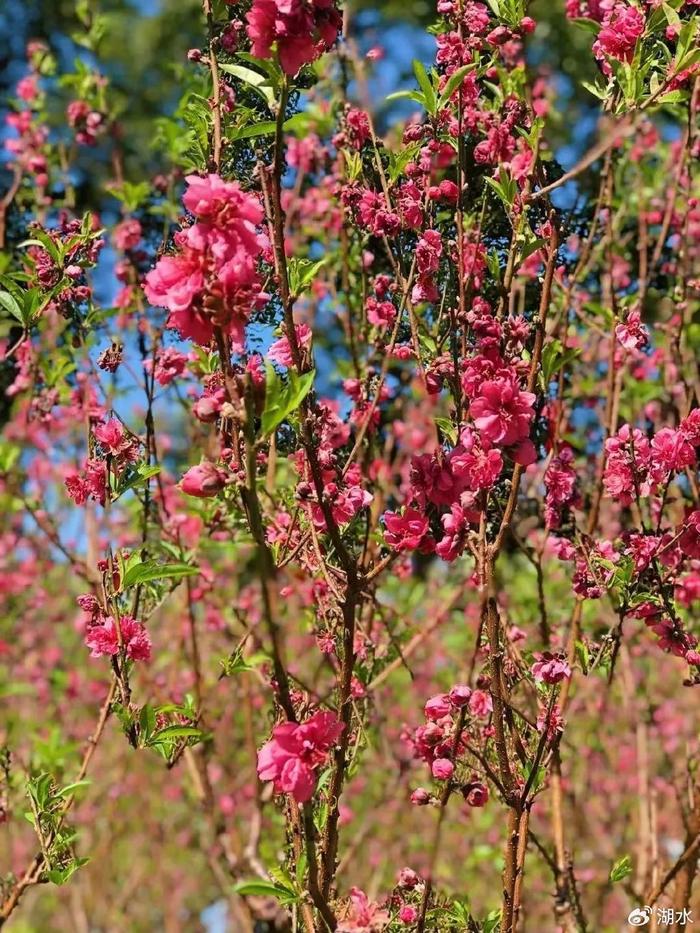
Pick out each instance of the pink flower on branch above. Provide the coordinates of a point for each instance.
(502, 412)
(301, 30)
(103, 639)
(295, 751)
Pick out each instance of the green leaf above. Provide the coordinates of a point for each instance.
(174, 732)
(530, 247)
(281, 398)
(595, 89)
(41, 238)
(61, 875)
(70, 789)
(259, 83)
(409, 95)
(590, 24)
(454, 82)
(583, 656)
(132, 195)
(12, 307)
(261, 888)
(447, 426)
(621, 869)
(554, 359)
(9, 455)
(505, 187)
(399, 160)
(235, 663)
(253, 130)
(426, 86)
(147, 721)
(151, 570)
(673, 97)
(135, 478)
(492, 922)
(302, 272)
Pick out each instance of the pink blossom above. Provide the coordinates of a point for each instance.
(620, 32)
(670, 452)
(632, 334)
(127, 234)
(220, 202)
(103, 639)
(27, 88)
(302, 30)
(480, 704)
(627, 464)
(420, 797)
(502, 412)
(459, 695)
(115, 440)
(358, 127)
(689, 540)
(405, 532)
(550, 669)
(170, 363)
(455, 524)
(207, 408)
(211, 280)
(408, 878)
(380, 313)
(280, 351)
(363, 915)
(438, 706)
(295, 751)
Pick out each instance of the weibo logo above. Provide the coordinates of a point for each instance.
(640, 916)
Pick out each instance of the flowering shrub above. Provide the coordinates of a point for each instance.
(350, 476)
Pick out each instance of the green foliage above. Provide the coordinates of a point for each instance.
(138, 572)
(282, 398)
(56, 838)
(621, 869)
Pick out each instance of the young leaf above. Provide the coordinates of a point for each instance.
(259, 83)
(281, 398)
(12, 307)
(151, 570)
(302, 272)
(253, 130)
(453, 83)
(261, 888)
(426, 86)
(621, 869)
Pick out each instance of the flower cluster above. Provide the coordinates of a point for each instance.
(211, 281)
(301, 30)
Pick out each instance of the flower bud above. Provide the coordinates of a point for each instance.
(408, 878)
(203, 481)
(442, 769)
(459, 695)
